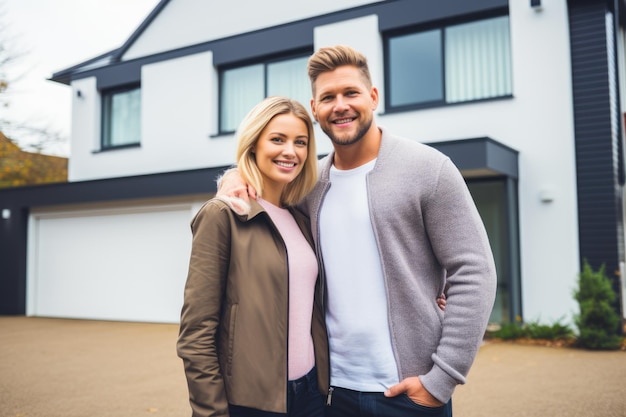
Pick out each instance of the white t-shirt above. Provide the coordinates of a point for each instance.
(361, 355)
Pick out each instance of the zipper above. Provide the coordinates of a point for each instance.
(329, 397)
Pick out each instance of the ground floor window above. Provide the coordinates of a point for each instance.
(496, 200)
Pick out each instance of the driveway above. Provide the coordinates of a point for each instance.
(81, 368)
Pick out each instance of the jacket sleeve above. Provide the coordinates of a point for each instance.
(460, 243)
(204, 291)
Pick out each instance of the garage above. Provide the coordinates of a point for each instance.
(123, 263)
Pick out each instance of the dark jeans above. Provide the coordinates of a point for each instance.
(303, 400)
(348, 403)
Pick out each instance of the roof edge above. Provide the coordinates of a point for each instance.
(65, 76)
(137, 33)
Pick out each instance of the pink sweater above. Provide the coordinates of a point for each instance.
(302, 276)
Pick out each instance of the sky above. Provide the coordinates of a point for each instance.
(50, 36)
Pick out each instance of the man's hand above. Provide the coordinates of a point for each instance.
(413, 387)
(442, 302)
(231, 185)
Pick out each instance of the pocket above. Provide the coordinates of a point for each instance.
(423, 410)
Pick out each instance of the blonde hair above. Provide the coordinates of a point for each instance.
(248, 134)
(329, 58)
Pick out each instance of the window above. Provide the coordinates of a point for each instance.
(241, 88)
(498, 217)
(121, 118)
(458, 63)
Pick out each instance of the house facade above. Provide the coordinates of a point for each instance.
(525, 96)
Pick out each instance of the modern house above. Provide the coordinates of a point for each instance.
(525, 96)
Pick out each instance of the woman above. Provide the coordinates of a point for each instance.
(252, 326)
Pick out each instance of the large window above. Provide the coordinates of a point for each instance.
(121, 118)
(452, 64)
(241, 88)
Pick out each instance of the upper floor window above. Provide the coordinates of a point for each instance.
(457, 63)
(241, 88)
(121, 117)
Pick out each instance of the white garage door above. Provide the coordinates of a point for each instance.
(123, 263)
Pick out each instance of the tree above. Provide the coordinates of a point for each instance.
(39, 137)
(19, 168)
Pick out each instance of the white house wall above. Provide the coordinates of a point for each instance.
(118, 263)
(541, 127)
(188, 22)
(85, 133)
(179, 121)
(180, 116)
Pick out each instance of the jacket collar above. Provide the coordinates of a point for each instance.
(241, 209)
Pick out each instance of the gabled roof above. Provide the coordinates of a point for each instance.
(65, 76)
(137, 33)
(111, 57)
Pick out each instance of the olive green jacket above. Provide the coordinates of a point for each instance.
(234, 320)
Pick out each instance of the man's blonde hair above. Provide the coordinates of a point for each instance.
(329, 58)
(248, 134)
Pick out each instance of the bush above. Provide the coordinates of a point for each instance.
(555, 331)
(598, 323)
(509, 331)
(533, 330)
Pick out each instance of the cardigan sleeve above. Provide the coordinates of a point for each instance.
(204, 291)
(460, 243)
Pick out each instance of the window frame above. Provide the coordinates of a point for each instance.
(106, 117)
(265, 62)
(440, 26)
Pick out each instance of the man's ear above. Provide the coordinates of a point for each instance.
(313, 112)
(374, 97)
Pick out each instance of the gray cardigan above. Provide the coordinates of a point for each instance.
(429, 233)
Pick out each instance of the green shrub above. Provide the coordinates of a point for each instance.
(598, 323)
(555, 331)
(533, 330)
(509, 331)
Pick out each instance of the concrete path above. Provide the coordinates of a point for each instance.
(82, 368)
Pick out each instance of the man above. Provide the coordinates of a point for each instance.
(393, 223)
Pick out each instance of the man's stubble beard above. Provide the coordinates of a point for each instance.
(350, 141)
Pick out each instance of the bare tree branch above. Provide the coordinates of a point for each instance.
(30, 136)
